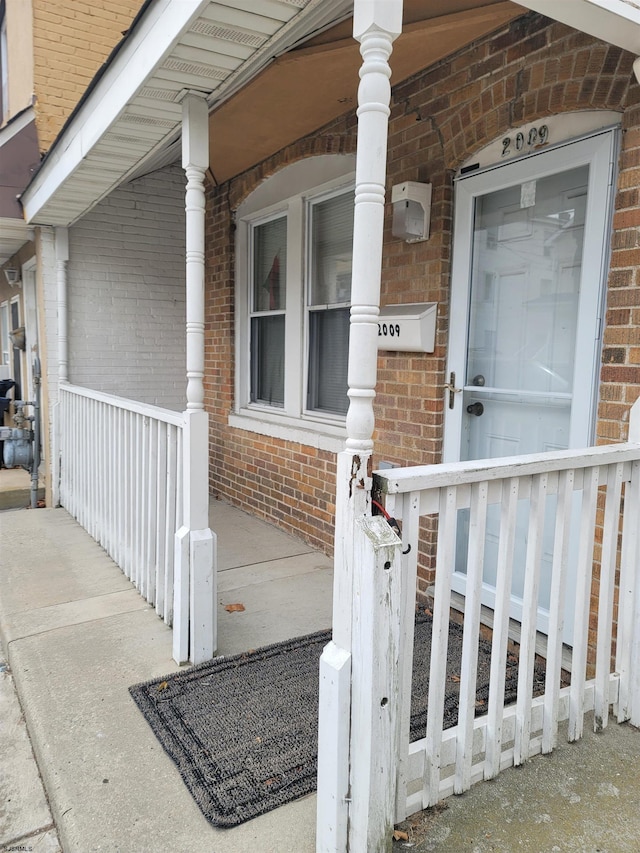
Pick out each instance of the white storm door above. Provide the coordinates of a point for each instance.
(530, 244)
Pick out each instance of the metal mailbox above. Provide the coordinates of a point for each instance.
(408, 328)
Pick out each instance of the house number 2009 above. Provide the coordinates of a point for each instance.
(386, 329)
(517, 143)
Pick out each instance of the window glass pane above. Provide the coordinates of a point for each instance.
(270, 265)
(527, 263)
(267, 360)
(331, 248)
(328, 358)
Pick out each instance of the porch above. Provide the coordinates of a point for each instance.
(76, 635)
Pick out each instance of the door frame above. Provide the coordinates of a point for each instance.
(599, 151)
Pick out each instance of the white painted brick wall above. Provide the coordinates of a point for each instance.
(127, 293)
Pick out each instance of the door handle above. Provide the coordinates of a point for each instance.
(451, 388)
(475, 409)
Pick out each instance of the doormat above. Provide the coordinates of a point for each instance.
(243, 730)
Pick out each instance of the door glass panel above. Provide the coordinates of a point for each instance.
(525, 288)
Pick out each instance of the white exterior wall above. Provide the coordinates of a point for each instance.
(127, 293)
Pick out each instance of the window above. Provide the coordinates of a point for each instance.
(329, 294)
(293, 297)
(268, 296)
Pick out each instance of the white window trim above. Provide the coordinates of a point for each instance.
(286, 192)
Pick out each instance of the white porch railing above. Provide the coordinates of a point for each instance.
(450, 761)
(121, 466)
(121, 475)
(595, 492)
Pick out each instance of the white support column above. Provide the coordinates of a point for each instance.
(194, 614)
(61, 242)
(62, 259)
(376, 24)
(195, 159)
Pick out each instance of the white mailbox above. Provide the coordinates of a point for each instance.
(408, 328)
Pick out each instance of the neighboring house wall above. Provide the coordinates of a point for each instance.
(530, 70)
(72, 39)
(19, 30)
(127, 293)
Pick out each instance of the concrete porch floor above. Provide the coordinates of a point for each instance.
(76, 635)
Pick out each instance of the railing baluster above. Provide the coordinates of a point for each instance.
(615, 476)
(145, 497)
(410, 537)
(556, 615)
(469, 667)
(583, 594)
(445, 559)
(629, 562)
(500, 638)
(152, 504)
(162, 522)
(173, 515)
(529, 618)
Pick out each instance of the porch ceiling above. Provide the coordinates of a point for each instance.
(272, 70)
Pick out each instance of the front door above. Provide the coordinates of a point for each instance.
(530, 245)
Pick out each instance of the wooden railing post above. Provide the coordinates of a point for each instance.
(376, 23)
(375, 701)
(628, 636)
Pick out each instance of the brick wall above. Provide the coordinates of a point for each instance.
(127, 292)
(71, 40)
(530, 70)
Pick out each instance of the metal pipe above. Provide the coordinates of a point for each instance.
(35, 465)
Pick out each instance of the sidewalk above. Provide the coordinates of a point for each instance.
(76, 635)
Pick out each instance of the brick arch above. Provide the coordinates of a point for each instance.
(331, 142)
(559, 71)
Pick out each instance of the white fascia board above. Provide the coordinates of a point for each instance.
(154, 39)
(614, 21)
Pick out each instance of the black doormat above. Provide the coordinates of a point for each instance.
(243, 730)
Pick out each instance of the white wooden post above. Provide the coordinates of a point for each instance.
(628, 637)
(61, 236)
(376, 24)
(375, 702)
(194, 611)
(62, 259)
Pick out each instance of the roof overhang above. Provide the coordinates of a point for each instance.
(133, 109)
(13, 235)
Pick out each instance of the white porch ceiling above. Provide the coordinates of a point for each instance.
(129, 121)
(133, 111)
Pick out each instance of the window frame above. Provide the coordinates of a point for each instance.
(294, 421)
